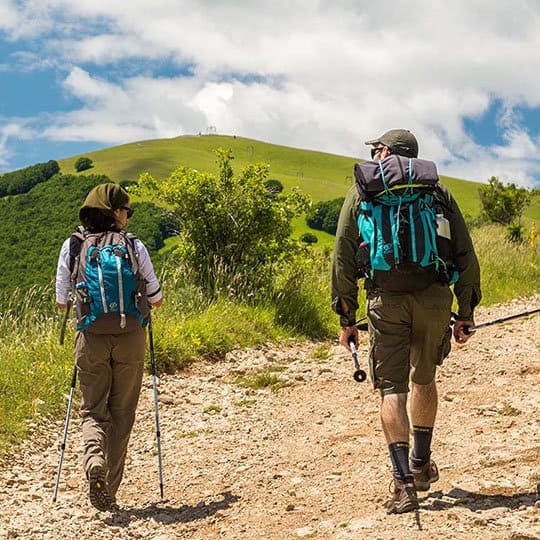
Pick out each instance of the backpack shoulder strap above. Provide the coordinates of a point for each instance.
(442, 199)
(132, 252)
(75, 242)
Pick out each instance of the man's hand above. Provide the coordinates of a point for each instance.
(61, 306)
(346, 333)
(459, 331)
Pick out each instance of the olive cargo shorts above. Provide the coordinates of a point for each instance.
(110, 369)
(409, 335)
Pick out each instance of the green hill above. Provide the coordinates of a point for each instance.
(48, 211)
(324, 176)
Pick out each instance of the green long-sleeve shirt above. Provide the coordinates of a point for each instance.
(345, 270)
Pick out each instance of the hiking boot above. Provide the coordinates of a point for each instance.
(114, 505)
(98, 492)
(425, 475)
(404, 498)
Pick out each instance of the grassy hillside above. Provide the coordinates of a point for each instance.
(324, 176)
(50, 209)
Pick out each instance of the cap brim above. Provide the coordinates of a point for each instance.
(373, 141)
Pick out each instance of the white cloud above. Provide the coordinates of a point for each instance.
(139, 108)
(12, 130)
(323, 75)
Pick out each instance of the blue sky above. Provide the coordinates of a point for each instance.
(325, 75)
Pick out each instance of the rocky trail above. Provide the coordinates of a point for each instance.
(303, 456)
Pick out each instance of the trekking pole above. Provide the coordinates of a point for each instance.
(469, 329)
(359, 375)
(64, 322)
(154, 384)
(64, 438)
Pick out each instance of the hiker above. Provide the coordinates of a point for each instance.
(110, 340)
(408, 305)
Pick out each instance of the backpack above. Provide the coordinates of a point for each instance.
(404, 234)
(105, 277)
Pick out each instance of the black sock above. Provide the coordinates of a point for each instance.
(422, 444)
(399, 454)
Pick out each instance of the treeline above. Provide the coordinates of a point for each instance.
(23, 180)
(35, 224)
(325, 214)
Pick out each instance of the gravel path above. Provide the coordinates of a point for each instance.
(304, 457)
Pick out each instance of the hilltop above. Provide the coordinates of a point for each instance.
(324, 176)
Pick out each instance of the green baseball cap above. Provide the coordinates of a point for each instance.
(400, 141)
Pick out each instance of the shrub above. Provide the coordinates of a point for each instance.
(231, 233)
(83, 163)
(325, 214)
(503, 204)
(273, 186)
(309, 238)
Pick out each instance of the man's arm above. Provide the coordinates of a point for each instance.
(344, 265)
(467, 288)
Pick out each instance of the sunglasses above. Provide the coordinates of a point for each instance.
(128, 210)
(375, 151)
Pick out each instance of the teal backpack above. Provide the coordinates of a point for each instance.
(106, 279)
(404, 234)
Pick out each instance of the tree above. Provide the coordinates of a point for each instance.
(503, 204)
(83, 163)
(325, 214)
(232, 235)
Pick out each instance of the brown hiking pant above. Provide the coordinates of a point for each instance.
(110, 369)
(409, 336)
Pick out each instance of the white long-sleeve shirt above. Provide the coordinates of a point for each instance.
(63, 273)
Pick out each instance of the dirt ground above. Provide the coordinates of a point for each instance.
(308, 458)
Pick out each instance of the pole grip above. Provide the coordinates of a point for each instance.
(359, 375)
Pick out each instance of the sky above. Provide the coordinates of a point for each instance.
(463, 76)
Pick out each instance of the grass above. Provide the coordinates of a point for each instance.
(245, 403)
(508, 410)
(188, 434)
(35, 371)
(508, 270)
(321, 354)
(212, 409)
(260, 381)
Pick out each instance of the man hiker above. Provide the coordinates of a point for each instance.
(409, 316)
(113, 280)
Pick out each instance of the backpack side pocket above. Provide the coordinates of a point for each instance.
(81, 305)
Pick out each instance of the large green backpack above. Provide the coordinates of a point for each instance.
(404, 234)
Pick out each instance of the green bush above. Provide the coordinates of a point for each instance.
(274, 186)
(309, 238)
(83, 163)
(324, 215)
(231, 234)
(503, 204)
